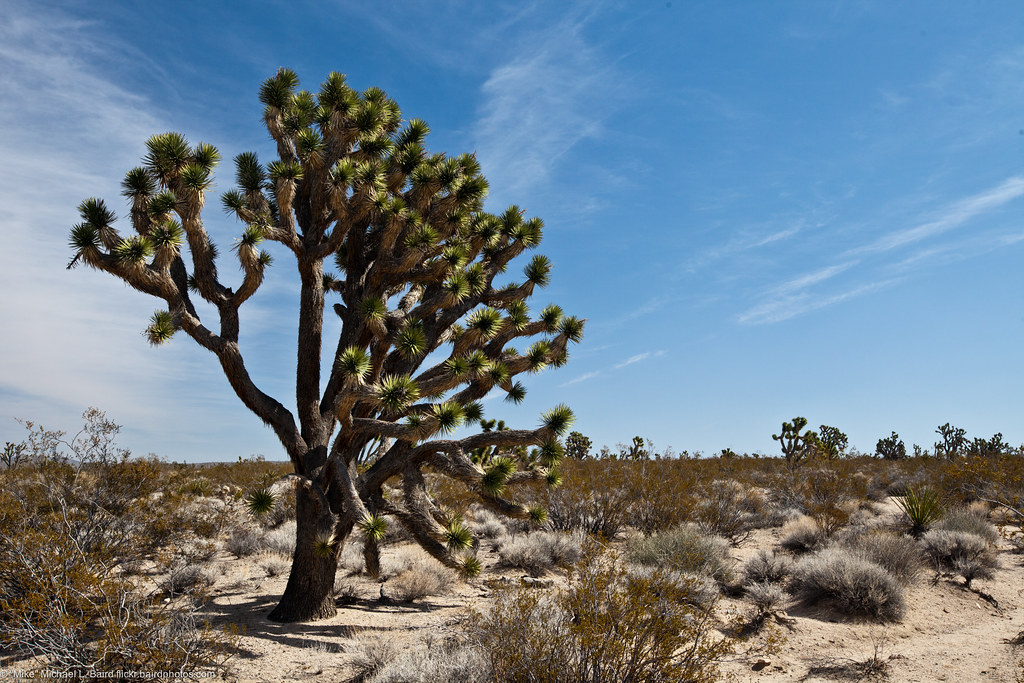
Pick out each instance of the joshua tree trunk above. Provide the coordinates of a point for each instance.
(309, 594)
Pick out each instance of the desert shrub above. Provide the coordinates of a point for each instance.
(703, 591)
(723, 511)
(803, 536)
(766, 597)
(825, 496)
(351, 559)
(486, 524)
(72, 522)
(684, 549)
(897, 554)
(607, 626)
(402, 559)
(274, 564)
(599, 508)
(422, 580)
(450, 659)
(921, 507)
(959, 552)
(186, 577)
(282, 539)
(970, 521)
(766, 567)
(540, 551)
(243, 541)
(661, 493)
(852, 584)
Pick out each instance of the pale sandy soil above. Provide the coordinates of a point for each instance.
(948, 633)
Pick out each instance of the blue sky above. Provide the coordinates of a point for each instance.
(763, 209)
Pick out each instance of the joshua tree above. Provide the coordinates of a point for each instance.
(577, 446)
(418, 258)
(831, 443)
(891, 448)
(796, 446)
(954, 441)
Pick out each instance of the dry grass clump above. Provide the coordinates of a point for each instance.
(540, 551)
(803, 536)
(767, 598)
(243, 541)
(351, 559)
(969, 521)
(851, 583)
(274, 564)
(188, 577)
(486, 524)
(960, 552)
(684, 549)
(424, 579)
(898, 554)
(281, 539)
(766, 566)
(608, 625)
(379, 661)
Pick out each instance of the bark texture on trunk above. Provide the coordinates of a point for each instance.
(309, 594)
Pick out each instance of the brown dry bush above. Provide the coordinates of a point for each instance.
(595, 500)
(423, 579)
(607, 626)
(70, 520)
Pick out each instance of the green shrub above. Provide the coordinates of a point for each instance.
(684, 549)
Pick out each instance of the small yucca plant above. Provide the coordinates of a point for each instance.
(922, 506)
(260, 502)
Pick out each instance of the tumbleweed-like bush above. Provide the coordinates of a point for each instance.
(852, 584)
(607, 626)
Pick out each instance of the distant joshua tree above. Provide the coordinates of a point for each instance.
(417, 259)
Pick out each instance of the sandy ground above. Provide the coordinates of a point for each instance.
(948, 634)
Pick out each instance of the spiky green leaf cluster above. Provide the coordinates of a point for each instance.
(457, 536)
(260, 502)
(373, 526)
(161, 328)
(558, 419)
(354, 362)
(397, 392)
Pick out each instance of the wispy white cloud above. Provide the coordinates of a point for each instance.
(640, 357)
(786, 307)
(810, 279)
(73, 339)
(582, 378)
(950, 217)
(555, 92)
